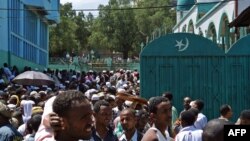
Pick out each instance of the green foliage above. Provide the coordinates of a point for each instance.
(119, 27)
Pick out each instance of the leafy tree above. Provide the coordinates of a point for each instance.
(117, 28)
(150, 19)
(63, 37)
(82, 32)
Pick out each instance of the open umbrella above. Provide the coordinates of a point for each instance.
(124, 96)
(242, 20)
(139, 100)
(34, 78)
(133, 98)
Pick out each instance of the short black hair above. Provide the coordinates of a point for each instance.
(67, 100)
(132, 111)
(188, 117)
(98, 105)
(35, 122)
(168, 95)
(156, 101)
(200, 104)
(245, 114)
(141, 113)
(224, 109)
(194, 110)
(214, 130)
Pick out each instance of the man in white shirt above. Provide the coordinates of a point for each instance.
(201, 120)
(160, 111)
(188, 132)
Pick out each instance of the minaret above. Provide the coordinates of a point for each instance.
(183, 6)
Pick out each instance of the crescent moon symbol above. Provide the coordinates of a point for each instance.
(186, 46)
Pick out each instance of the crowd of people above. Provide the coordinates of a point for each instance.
(102, 106)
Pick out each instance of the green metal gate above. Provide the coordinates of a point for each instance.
(191, 65)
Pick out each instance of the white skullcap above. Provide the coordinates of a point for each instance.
(95, 97)
(108, 84)
(125, 85)
(112, 96)
(33, 93)
(120, 90)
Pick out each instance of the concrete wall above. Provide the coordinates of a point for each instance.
(17, 61)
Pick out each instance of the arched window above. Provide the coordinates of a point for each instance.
(191, 27)
(225, 38)
(184, 29)
(211, 33)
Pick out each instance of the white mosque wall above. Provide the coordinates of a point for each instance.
(213, 16)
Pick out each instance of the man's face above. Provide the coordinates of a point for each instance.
(79, 121)
(164, 113)
(119, 101)
(229, 114)
(104, 115)
(128, 120)
(141, 122)
(186, 103)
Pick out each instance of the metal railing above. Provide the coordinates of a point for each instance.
(95, 64)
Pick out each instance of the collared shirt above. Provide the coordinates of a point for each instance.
(124, 138)
(201, 121)
(109, 136)
(189, 133)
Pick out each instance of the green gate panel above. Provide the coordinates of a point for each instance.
(181, 44)
(187, 65)
(190, 65)
(238, 75)
(241, 47)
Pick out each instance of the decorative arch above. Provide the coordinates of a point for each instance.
(184, 29)
(211, 32)
(225, 38)
(191, 26)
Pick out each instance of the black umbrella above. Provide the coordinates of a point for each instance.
(242, 20)
(34, 78)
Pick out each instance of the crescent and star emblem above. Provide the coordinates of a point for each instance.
(181, 46)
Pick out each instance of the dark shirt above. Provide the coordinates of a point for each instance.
(9, 133)
(109, 137)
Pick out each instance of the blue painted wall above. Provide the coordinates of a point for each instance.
(54, 16)
(24, 30)
(3, 25)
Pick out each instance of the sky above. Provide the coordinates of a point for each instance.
(86, 4)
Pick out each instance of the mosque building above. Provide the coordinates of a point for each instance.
(211, 19)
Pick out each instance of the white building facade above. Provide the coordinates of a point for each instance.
(210, 18)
